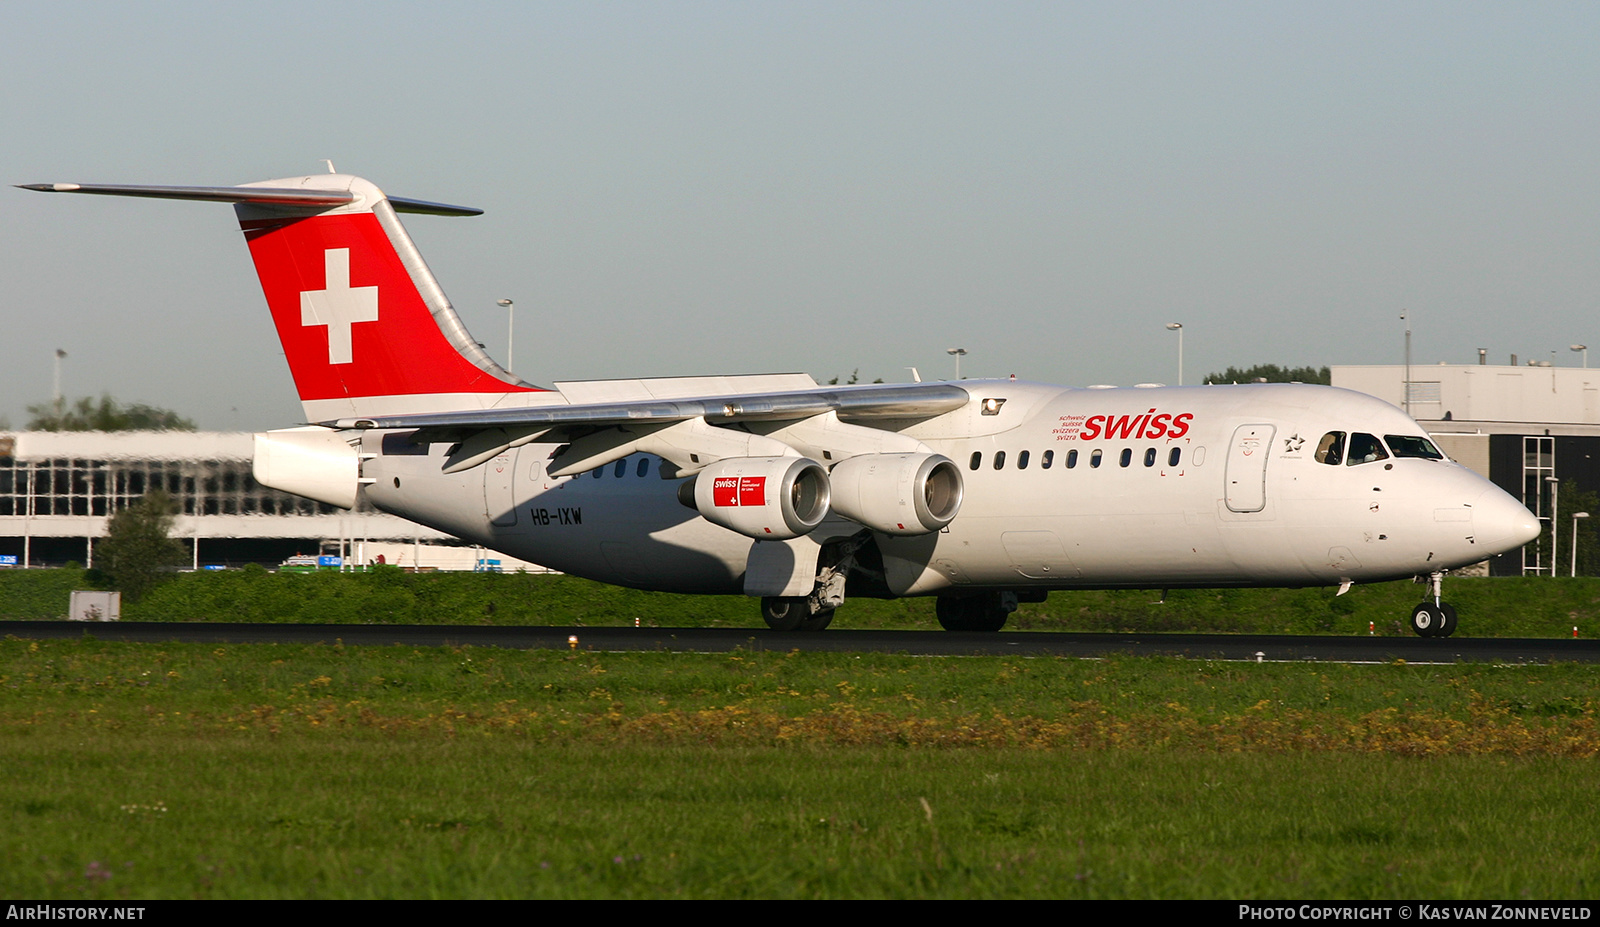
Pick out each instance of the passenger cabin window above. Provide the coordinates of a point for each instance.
(977, 460)
(1094, 458)
(1127, 456)
(598, 472)
(1022, 460)
(1365, 448)
(999, 460)
(621, 468)
(1330, 450)
(1046, 459)
(1150, 457)
(1072, 459)
(1413, 446)
(1173, 456)
(644, 466)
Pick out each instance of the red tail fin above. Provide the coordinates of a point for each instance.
(365, 327)
(363, 324)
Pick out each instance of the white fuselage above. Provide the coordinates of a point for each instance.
(1199, 486)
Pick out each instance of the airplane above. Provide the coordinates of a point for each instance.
(981, 493)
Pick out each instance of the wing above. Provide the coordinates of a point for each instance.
(826, 422)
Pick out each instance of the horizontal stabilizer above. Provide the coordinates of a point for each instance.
(274, 196)
(278, 196)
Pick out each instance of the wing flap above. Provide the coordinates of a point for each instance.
(684, 432)
(911, 400)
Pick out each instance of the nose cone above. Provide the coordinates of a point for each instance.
(1501, 523)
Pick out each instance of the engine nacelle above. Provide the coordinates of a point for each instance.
(766, 498)
(900, 494)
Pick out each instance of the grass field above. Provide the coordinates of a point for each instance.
(157, 771)
(1499, 607)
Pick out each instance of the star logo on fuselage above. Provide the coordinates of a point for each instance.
(338, 305)
(1293, 443)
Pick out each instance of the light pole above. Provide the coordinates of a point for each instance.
(1555, 513)
(1178, 327)
(1406, 401)
(1585, 349)
(510, 342)
(60, 356)
(1575, 517)
(957, 353)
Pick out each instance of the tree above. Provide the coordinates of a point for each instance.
(1571, 502)
(105, 415)
(138, 549)
(855, 377)
(1272, 373)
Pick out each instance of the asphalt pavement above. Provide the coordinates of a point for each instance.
(1276, 647)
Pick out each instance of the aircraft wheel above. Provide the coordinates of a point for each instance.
(818, 621)
(970, 613)
(1447, 627)
(785, 613)
(1427, 620)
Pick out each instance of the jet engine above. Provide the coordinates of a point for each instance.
(767, 498)
(900, 494)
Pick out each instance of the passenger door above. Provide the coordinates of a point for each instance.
(1246, 470)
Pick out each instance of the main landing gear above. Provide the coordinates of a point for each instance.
(815, 611)
(986, 611)
(1435, 618)
(795, 613)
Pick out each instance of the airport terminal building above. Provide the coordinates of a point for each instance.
(1534, 430)
(59, 489)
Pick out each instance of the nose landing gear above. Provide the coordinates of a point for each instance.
(1435, 618)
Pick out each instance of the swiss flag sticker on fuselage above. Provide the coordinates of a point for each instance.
(351, 321)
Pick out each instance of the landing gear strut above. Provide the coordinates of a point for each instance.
(815, 611)
(1435, 618)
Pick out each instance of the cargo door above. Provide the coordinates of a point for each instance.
(499, 489)
(1038, 555)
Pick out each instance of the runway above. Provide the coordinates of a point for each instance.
(1275, 648)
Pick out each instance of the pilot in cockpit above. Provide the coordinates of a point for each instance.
(1330, 450)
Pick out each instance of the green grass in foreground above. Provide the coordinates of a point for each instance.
(139, 771)
(1498, 607)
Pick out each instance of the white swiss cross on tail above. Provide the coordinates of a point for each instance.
(338, 305)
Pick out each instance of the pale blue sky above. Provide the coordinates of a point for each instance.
(687, 188)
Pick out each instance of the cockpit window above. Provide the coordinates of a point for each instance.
(1413, 446)
(1365, 448)
(1330, 450)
